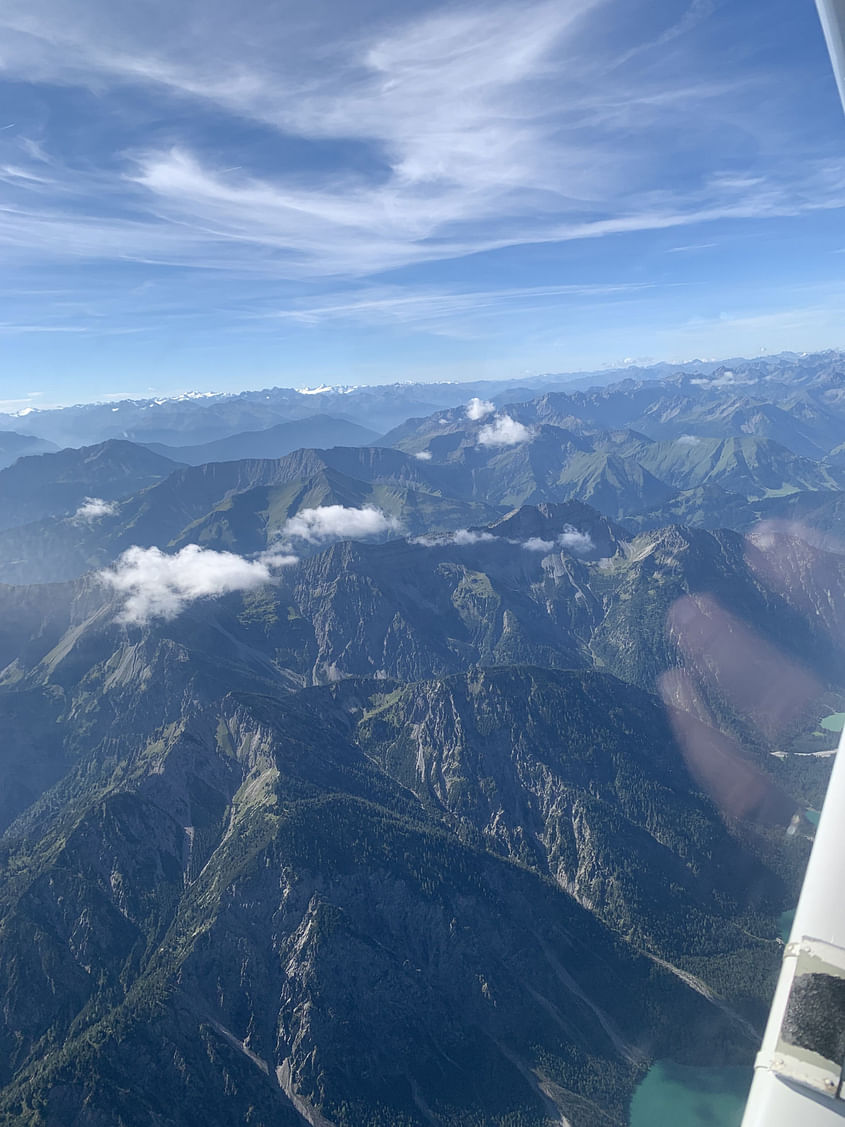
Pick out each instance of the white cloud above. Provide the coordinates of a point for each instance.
(691, 247)
(570, 539)
(575, 541)
(687, 440)
(423, 455)
(21, 407)
(461, 132)
(462, 537)
(444, 311)
(332, 522)
(724, 379)
(444, 130)
(94, 508)
(479, 408)
(156, 585)
(277, 558)
(503, 431)
(467, 536)
(12, 329)
(492, 125)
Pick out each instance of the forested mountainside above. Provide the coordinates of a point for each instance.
(453, 779)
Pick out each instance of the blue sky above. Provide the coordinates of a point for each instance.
(220, 196)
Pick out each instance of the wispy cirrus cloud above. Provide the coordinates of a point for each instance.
(435, 308)
(472, 129)
(360, 230)
(692, 247)
(26, 404)
(321, 167)
(8, 328)
(179, 210)
(457, 133)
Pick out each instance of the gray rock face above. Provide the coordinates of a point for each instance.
(254, 907)
(462, 828)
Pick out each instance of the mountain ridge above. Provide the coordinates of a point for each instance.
(403, 785)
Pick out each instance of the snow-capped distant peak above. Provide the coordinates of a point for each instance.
(24, 411)
(324, 389)
(185, 396)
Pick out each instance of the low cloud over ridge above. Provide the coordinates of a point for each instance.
(338, 522)
(479, 409)
(570, 539)
(94, 508)
(503, 431)
(157, 585)
(462, 537)
(575, 541)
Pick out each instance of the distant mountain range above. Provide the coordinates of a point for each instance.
(14, 446)
(274, 442)
(437, 778)
(58, 484)
(195, 419)
(244, 505)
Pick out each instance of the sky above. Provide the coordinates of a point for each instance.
(219, 196)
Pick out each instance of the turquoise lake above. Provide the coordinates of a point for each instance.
(835, 722)
(676, 1095)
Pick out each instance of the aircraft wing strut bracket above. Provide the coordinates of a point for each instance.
(810, 1045)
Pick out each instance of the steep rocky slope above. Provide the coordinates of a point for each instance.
(465, 823)
(254, 910)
